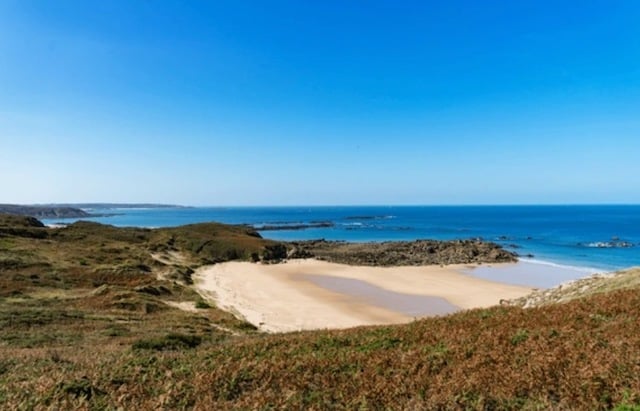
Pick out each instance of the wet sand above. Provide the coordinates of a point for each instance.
(311, 294)
(530, 273)
(407, 304)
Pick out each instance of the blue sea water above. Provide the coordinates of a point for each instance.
(603, 238)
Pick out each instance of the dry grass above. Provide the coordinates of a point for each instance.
(581, 355)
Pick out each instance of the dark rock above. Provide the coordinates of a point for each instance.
(302, 226)
(395, 253)
(366, 217)
(296, 252)
(274, 252)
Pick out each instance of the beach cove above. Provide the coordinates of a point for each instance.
(310, 294)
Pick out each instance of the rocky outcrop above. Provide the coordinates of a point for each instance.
(580, 288)
(274, 252)
(11, 220)
(402, 253)
(21, 226)
(301, 226)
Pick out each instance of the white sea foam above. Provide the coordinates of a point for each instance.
(55, 225)
(610, 244)
(587, 270)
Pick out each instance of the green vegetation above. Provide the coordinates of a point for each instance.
(519, 337)
(627, 407)
(172, 341)
(89, 321)
(202, 304)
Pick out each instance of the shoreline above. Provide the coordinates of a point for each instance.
(285, 297)
(532, 273)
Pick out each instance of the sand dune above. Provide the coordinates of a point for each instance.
(311, 294)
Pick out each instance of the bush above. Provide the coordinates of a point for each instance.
(202, 304)
(170, 342)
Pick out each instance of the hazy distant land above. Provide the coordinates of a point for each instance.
(72, 210)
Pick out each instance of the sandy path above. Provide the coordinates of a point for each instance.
(283, 297)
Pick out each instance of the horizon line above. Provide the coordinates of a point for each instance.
(326, 205)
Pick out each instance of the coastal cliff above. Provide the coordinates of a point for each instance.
(44, 211)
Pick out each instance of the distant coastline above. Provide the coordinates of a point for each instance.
(70, 210)
(109, 206)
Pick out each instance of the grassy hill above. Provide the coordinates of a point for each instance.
(98, 317)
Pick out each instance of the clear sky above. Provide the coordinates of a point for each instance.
(320, 102)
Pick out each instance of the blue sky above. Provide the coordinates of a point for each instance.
(320, 102)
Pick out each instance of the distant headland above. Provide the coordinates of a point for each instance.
(80, 210)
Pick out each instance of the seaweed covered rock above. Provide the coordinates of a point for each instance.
(397, 253)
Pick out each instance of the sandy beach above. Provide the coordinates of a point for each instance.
(310, 294)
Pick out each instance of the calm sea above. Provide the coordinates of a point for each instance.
(594, 237)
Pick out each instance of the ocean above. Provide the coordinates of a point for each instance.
(588, 238)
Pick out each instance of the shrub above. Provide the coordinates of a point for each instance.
(519, 336)
(170, 342)
(202, 304)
